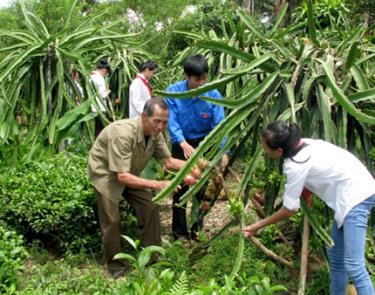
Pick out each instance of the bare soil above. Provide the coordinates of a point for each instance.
(217, 217)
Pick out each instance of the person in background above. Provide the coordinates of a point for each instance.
(117, 158)
(190, 121)
(75, 91)
(338, 178)
(97, 78)
(78, 92)
(140, 91)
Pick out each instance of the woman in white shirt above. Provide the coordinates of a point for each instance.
(140, 91)
(341, 181)
(97, 78)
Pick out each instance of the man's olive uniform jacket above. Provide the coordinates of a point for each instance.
(121, 147)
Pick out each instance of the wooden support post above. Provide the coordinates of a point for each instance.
(304, 256)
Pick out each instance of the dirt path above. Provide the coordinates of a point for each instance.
(213, 222)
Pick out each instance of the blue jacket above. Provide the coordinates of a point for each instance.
(192, 118)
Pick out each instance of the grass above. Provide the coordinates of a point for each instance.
(84, 274)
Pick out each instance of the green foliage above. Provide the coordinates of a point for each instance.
(12, 256)
(36, 77)
(319, 282)
(318, 73)
(181, 286)
(358, 9)
(142, 258)
(7, 21)
(252, 285)
(218, 262)
(258, 180)
(53, 200)
(372, 155)
(55, 18)
(80, 274)
(63, 276)
(298, 73)
(147, 276)
(177, 255)
(209, 16)
(327, 14)
(236, 207)
(317, 226)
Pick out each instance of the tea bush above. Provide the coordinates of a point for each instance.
(51, 200)
(12, 256)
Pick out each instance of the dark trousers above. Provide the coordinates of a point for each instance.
(99, 126)
(179, 224)
(110, 224)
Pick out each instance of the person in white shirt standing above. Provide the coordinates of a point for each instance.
(77, 93)
(97, 78)
(140, 91)
(338, 178)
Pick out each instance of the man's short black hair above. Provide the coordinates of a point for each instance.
(103, 64)
(149, 64)
(150, 105)
(195, 65)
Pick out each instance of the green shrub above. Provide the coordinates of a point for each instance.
(51, 200)
(218, 262)
(80, 274)
(12, 256)
(318, 284)
(61, 277)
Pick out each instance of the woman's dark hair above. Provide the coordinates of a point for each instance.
(103, 64)
(150, 64)
(280, 134)
(195, 65)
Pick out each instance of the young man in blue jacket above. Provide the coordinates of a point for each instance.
(190, 121)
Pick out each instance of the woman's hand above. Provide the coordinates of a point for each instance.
(281, 214)
(250, 230)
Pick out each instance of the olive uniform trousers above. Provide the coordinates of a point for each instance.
(147, 214)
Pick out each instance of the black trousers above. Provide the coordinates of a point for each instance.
(179, 224)
(99, 126)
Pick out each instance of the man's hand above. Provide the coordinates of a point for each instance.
(136, 182)
(250, 230)
(187, 148)
(161, 184)
(173, 164)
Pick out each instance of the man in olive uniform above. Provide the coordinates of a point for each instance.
(118, 156)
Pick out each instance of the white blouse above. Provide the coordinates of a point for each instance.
(99, 83)
(138, 96)
(333, 174)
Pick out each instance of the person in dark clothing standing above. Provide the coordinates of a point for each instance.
(190, 121)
